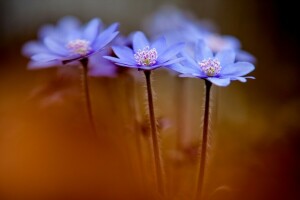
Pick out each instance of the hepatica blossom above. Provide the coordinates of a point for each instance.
(68, 42)
(219, 69)
(146, 55)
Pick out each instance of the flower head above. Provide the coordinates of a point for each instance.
(68, 41)
(219, 69)
(146, 55)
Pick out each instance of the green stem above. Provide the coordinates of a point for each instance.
(156, 149)
(85, 88)
(204, 142)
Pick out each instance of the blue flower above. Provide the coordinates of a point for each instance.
(68, 42)
(145, 55)
(219, 69)
(181, 26)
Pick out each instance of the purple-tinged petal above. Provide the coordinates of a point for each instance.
(91, 30)
(219, 81)
(184, 69)
(44, 57)
(231, 42)
(226, 57)
(33, 47)
(170, 62)
(139, 41)
(119, 61)
(55, 47)
(160, 45)
(202, 52)
(245, 57)
(237, 69)
(99, 66)
(124, 53)
(106, 36)
(170, 52)
(189, 61)
(68, 24)
(41, 65)
(241, 79)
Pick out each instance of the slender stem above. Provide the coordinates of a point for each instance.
(204, 142)
(156, 149)
(85, 88)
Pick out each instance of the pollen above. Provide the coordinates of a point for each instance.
(211, 67)
(79, 47)
(146, 57)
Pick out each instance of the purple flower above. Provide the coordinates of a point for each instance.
(219, 69)
(146, 55)
(177, 25)
(68, 42)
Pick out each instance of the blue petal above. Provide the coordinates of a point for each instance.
(184, 69)
(219, 81)
(55, 47)
(139, 41)
(202, 51)
(99, 66)
(237, 69)
(172, 61)
(189, 61)
(41, 65)
(91, 30)
(160, 45)
(33, 47)
(124, 53)
(170, 52)
(241, 79)
(231, 42)
(106, 36)
(68, 24)
(226, 57)
(245, 56)
(120, 61)
(45, 57)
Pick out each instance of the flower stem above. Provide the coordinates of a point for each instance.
(156, 149)
(204, 141)
(85, 88)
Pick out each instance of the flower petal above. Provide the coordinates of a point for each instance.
(183, 69)
(225, 57)
(91, 30)
(33, 47)
(245, 56)
(160, 45)
(237, 69)
(68, 24)
(41, 65)
(45, 57)
(172, 61)
(124, 53)
(171, 52)
(106, 36)
(55, 47)
(202, 51)
(139, 41)
(119, 61)
(219, 81)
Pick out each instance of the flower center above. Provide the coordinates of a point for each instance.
(79, 47)
(211, 67)
(146, 57)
